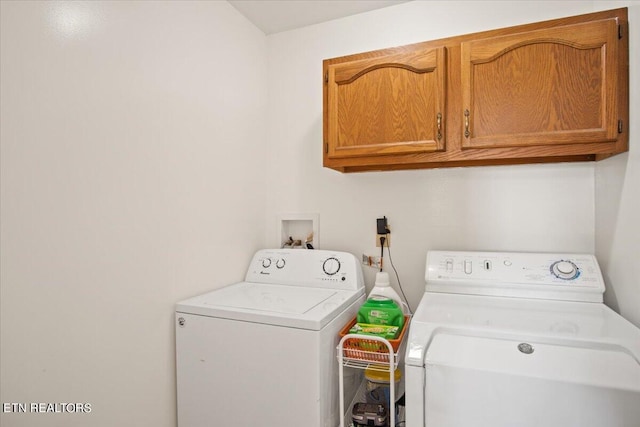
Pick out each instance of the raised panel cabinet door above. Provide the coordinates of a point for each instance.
(542, 87)
(389, 105)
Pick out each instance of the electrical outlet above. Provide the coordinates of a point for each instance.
(387, 242)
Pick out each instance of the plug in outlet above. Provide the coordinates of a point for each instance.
(387, 241)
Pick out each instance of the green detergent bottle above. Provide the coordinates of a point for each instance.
(379, 310)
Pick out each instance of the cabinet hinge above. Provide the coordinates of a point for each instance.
(326, 77)
(619, 126)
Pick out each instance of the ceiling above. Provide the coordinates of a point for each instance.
(274, 16)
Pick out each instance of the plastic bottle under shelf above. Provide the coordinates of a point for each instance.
(383, 288)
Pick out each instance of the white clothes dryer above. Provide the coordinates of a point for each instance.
(519, 339)
(262, 352)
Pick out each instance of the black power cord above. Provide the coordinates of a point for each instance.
(383, 239)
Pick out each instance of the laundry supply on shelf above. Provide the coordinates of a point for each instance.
(384, 331)
(379, 310)
(382, 287)
(381, 315)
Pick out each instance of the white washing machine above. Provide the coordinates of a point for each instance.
(519, 339)
(262, 352)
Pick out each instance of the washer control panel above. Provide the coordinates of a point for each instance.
(309, 268)
(574, 277)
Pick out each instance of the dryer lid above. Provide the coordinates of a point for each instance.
(579, 324)
(601, 365)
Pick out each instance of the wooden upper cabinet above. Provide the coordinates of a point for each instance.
(548, 86)
(386, 105)
(552, 91)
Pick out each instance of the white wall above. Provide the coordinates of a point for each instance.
(133, 175)
(526, 208)
(132, 164)
(618, 197)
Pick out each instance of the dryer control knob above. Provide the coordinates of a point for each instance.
(266, 263)
(565, 270)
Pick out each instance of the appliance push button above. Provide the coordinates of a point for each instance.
(449, 265)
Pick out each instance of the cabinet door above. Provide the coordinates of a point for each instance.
(543, 87)
(389, 105)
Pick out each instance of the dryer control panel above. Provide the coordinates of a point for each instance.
(571, 277)
(308, 268)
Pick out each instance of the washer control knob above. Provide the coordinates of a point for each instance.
(266, 263)
(280, 263)
(331, 266)
(565, 270)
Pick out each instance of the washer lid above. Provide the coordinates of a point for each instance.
(273, 298)
(576, 324)
(283, 305)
